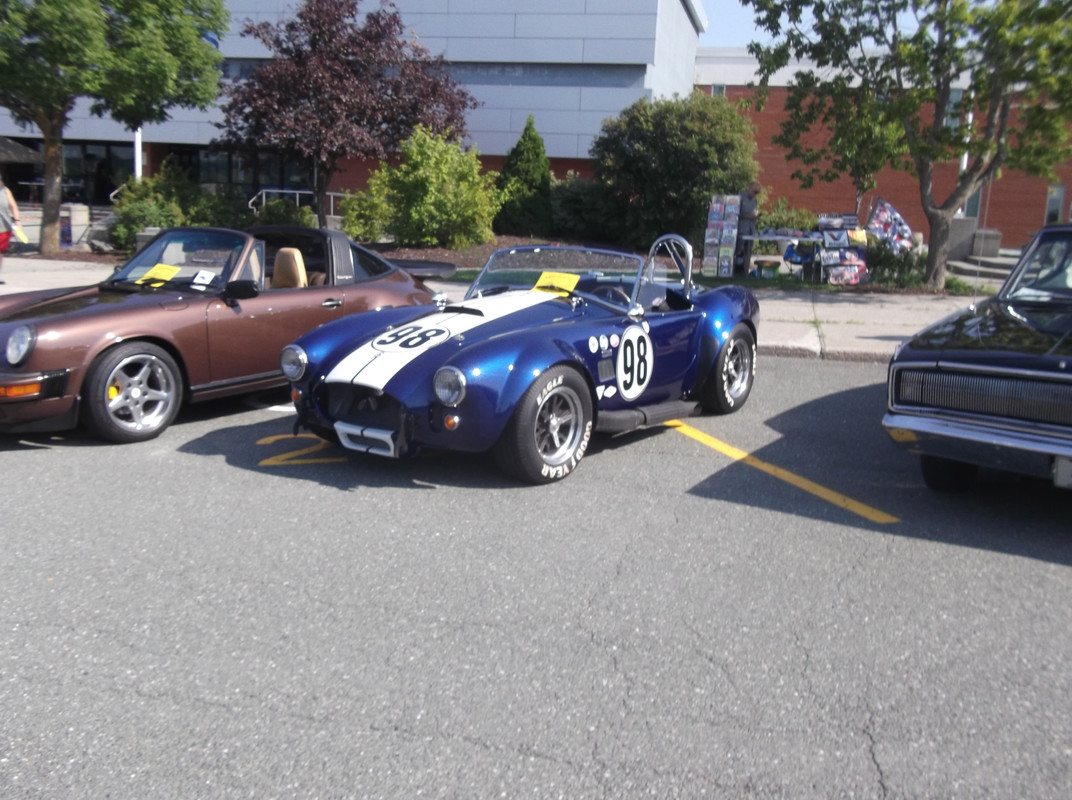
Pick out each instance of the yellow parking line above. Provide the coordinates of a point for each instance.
(811, 487)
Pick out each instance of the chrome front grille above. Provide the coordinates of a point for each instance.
(1001, 396)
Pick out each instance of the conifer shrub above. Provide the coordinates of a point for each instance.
(525, 183)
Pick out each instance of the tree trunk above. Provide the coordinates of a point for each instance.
(941, 223)
(52, 194)
(321, 206)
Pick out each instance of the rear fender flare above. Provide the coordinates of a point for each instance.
(724, 309)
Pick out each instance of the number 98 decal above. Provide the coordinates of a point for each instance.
(635, 360)
(409, 338)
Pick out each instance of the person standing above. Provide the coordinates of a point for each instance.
(9, 218)
(746, 225)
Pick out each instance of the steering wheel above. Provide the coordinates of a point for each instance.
(614, 294)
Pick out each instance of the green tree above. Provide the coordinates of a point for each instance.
(525, 181)
(857, 146)
(342, 84)
(660, 162)
(989, 81)
(133, 59)
(435, 196)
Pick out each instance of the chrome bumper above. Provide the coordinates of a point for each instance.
(989, 446)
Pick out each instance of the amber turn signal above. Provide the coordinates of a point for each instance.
(21, 390)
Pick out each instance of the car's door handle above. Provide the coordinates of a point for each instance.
(331, 302)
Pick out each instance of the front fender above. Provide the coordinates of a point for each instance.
(499, 375)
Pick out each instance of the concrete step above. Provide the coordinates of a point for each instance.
(1002, 261)
(992, 270)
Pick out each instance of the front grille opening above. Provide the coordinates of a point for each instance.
(359, 405)
(1007, 397)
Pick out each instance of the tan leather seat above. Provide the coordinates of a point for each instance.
(289, 269)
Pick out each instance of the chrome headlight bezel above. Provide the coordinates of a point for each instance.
(20, 343)
(449, 385)
(293, 361)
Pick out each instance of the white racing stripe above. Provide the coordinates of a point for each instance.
(375, 363)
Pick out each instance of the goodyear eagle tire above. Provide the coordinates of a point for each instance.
(132, 393)
(730, 383)
(549, 431)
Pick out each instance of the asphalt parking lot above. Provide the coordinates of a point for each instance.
(774, 606)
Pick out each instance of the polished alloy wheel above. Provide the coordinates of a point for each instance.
(558, 425)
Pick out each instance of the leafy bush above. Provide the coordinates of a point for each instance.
(780, 215)
(365, 214)
(171, 198)
(283, 211)
(905, 269)
(525, 183)
(436, 195)
(579, 209)
(133, 214)
(661, 161)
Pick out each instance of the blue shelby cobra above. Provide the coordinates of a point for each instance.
(550, 344)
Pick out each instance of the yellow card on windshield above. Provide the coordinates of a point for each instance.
(558, 282)
(159, 275)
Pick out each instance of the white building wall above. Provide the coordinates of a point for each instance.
(675, 49)
(569, 63)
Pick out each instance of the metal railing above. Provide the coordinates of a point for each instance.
(297, 195)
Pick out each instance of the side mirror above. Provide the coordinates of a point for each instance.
(241, 290)
(636, 313)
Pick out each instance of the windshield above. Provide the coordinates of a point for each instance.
(564, 269)
(196, 259)
(1045, 270)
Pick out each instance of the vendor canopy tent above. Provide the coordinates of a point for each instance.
(11, 152)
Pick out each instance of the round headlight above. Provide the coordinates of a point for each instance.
(20, 343)
(449, 383)
(293, 362)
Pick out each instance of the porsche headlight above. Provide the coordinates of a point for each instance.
(449, 384)
(20, 343)
(293, 362)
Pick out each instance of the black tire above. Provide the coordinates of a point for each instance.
(549, 431)
(728, 386)
(946, 475)
(132, 393)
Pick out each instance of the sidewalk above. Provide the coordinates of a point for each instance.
(847, 325)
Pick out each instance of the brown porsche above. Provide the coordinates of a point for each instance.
(197, 314)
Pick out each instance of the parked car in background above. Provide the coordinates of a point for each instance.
(549, 345)
(991, 386)
(198, 313)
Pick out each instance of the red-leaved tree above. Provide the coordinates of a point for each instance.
(338, 86)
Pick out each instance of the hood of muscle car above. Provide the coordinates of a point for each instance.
(420, 346)
(998, 333)
(89, 301)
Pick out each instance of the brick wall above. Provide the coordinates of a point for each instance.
(1015, 204)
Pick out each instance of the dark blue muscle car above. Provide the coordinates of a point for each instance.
(549, 345)
(991, 386)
